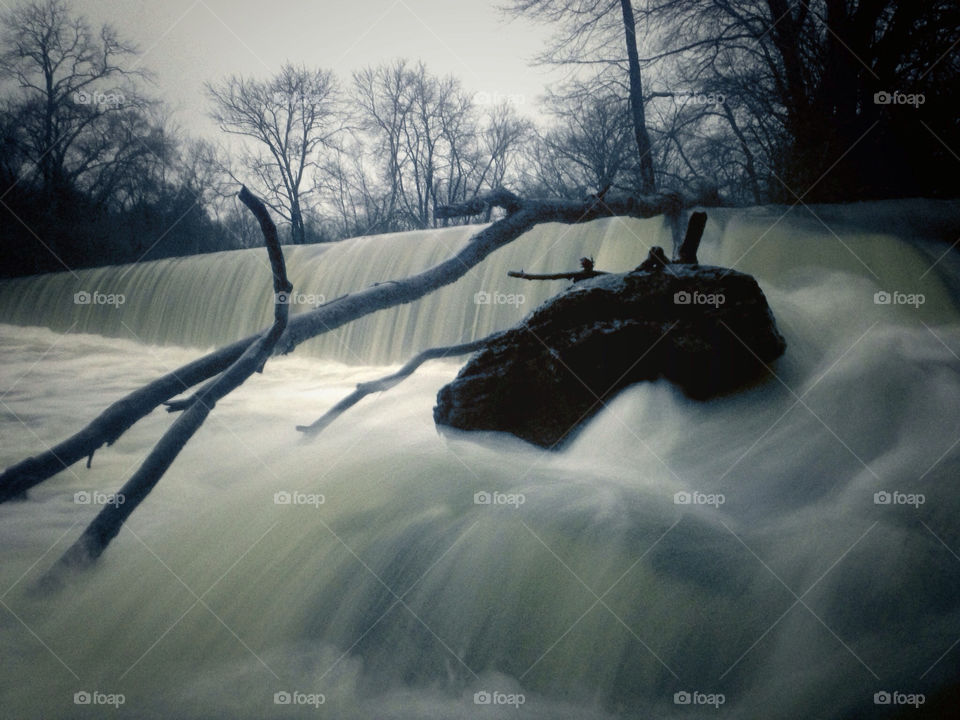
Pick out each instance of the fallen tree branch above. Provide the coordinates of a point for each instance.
(116, 420)
(572, 211)
(180, 405)
(389, 381)
(110, 519)
(585, 273)
(501, 197)
(522, 216)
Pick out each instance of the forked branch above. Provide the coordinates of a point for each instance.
(110, 519)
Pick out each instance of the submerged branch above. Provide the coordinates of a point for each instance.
(389, 381)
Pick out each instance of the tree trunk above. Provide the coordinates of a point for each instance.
(297, 232)
(648, 182)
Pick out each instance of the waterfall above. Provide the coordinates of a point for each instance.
(211, 300)
(361, 567)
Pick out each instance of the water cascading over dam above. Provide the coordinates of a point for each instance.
(214, 299)
(588, 586)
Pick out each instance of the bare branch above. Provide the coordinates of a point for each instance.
(585, 273)
(389, 381)
(501, 198)
(108, 522)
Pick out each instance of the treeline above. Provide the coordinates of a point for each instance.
(773, 100)
(92, 170)
(747, 101)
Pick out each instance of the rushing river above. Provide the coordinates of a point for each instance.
(791, 551)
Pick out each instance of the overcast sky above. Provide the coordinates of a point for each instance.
(188, 42)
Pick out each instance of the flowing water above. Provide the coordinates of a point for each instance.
(587, 588)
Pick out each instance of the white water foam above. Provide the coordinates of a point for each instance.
(597, 596)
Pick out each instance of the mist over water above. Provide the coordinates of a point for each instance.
(584, 587)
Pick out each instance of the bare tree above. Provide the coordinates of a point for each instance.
(383, 103)
(801, 82)
(427, 131)
(12, 155)
(357, 203)
(502, 136)
(420, 141)
(588, 29)
(431, 99)
(289, 118)
(77, 99)
(648, 183)
(589, 147)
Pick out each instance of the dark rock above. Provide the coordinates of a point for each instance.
(542, 379)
